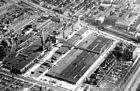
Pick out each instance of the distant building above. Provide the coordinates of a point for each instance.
(137, 36)
(101, 19)
(135, 1)
(128, 21)
(112, 1)
(122, 25)
(16, 1)
(110, 20)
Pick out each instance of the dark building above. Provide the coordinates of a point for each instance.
(132, 29)
(19, 64)
(127, 54)
(4, 49)
(22, 65)
(2, 53)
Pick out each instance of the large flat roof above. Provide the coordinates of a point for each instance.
(72, 67)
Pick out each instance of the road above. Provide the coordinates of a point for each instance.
(107, 34)
(120, 33)
(30, 80)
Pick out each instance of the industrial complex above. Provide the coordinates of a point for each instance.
(69, 45)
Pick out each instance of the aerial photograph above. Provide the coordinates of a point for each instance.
(69, 45)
